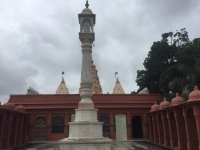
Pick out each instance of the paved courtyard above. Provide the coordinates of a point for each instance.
(116, 145)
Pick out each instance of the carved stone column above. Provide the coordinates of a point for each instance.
(197, 118)
(6, 140)
(16, 129)
(187, 129)
(31, 129)
(181, 133)
(48, 127)
(66, 127)
(150, 128)
(2, 130)
(158, 127)
(165, 128)
(86, 132)
(111, 125)
(170, 129)
(21, 122)
(129, 126)
(155, 139)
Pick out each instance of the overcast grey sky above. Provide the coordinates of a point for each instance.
(39, 39)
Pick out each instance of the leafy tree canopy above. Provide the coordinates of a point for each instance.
(172, 65)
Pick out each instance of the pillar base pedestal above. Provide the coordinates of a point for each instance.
(92, 144)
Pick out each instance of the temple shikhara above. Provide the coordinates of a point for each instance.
(100, 117)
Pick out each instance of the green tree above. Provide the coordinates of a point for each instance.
(160, 57)
(172, 65)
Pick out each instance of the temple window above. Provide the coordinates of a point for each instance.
(57, 125)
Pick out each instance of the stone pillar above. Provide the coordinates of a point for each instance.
(48, 126)
(21, 122)
(129, 126)
(145, 129)
(2, 130)
(170, 129)
(16, 129)
(86, 132)
(66, 127)
(26, 128)
(159, 130)
(180, 125)
(86, 75)
(155, 139)
(197, 118)
(150, 128)
(31, 128)
(8, 122)
(111, 125)
(187, 129)
(165, 128)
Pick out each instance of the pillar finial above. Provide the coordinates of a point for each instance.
(86, 5)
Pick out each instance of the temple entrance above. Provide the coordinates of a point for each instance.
(40, 128)
(137, 127)
(106, 126)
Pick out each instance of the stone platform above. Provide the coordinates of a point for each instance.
(116, 145)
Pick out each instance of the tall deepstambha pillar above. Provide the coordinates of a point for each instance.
(85, 133)
(86, 36)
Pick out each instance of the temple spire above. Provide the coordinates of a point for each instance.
(118, 89)
(62, 88)
(86, 5)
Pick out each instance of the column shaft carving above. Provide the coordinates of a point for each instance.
(129, 126)
(8, 128)
(48, 126)
(180, 130)
(170, 130)
(197, 118)
(66, 124)
(155, 139)
(19, 140)
(111, 125)
(165, 128)
(31, 128)
(150, 128)
(187, 129)
(159, 132)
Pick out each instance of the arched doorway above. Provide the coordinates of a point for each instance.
(192, 127)
(137, 127)
(106, 126)
(40, 128)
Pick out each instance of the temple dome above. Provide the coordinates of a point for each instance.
(177, 100)
(154, 107)
(62, 88)
(9, 105)
(20, 108)
(86, 11)
(194, 95)
(118, 89)
(164, 104)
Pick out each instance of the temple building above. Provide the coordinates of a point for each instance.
(34, 117)
(96, 86)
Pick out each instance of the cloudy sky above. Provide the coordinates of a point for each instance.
(39, 39)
